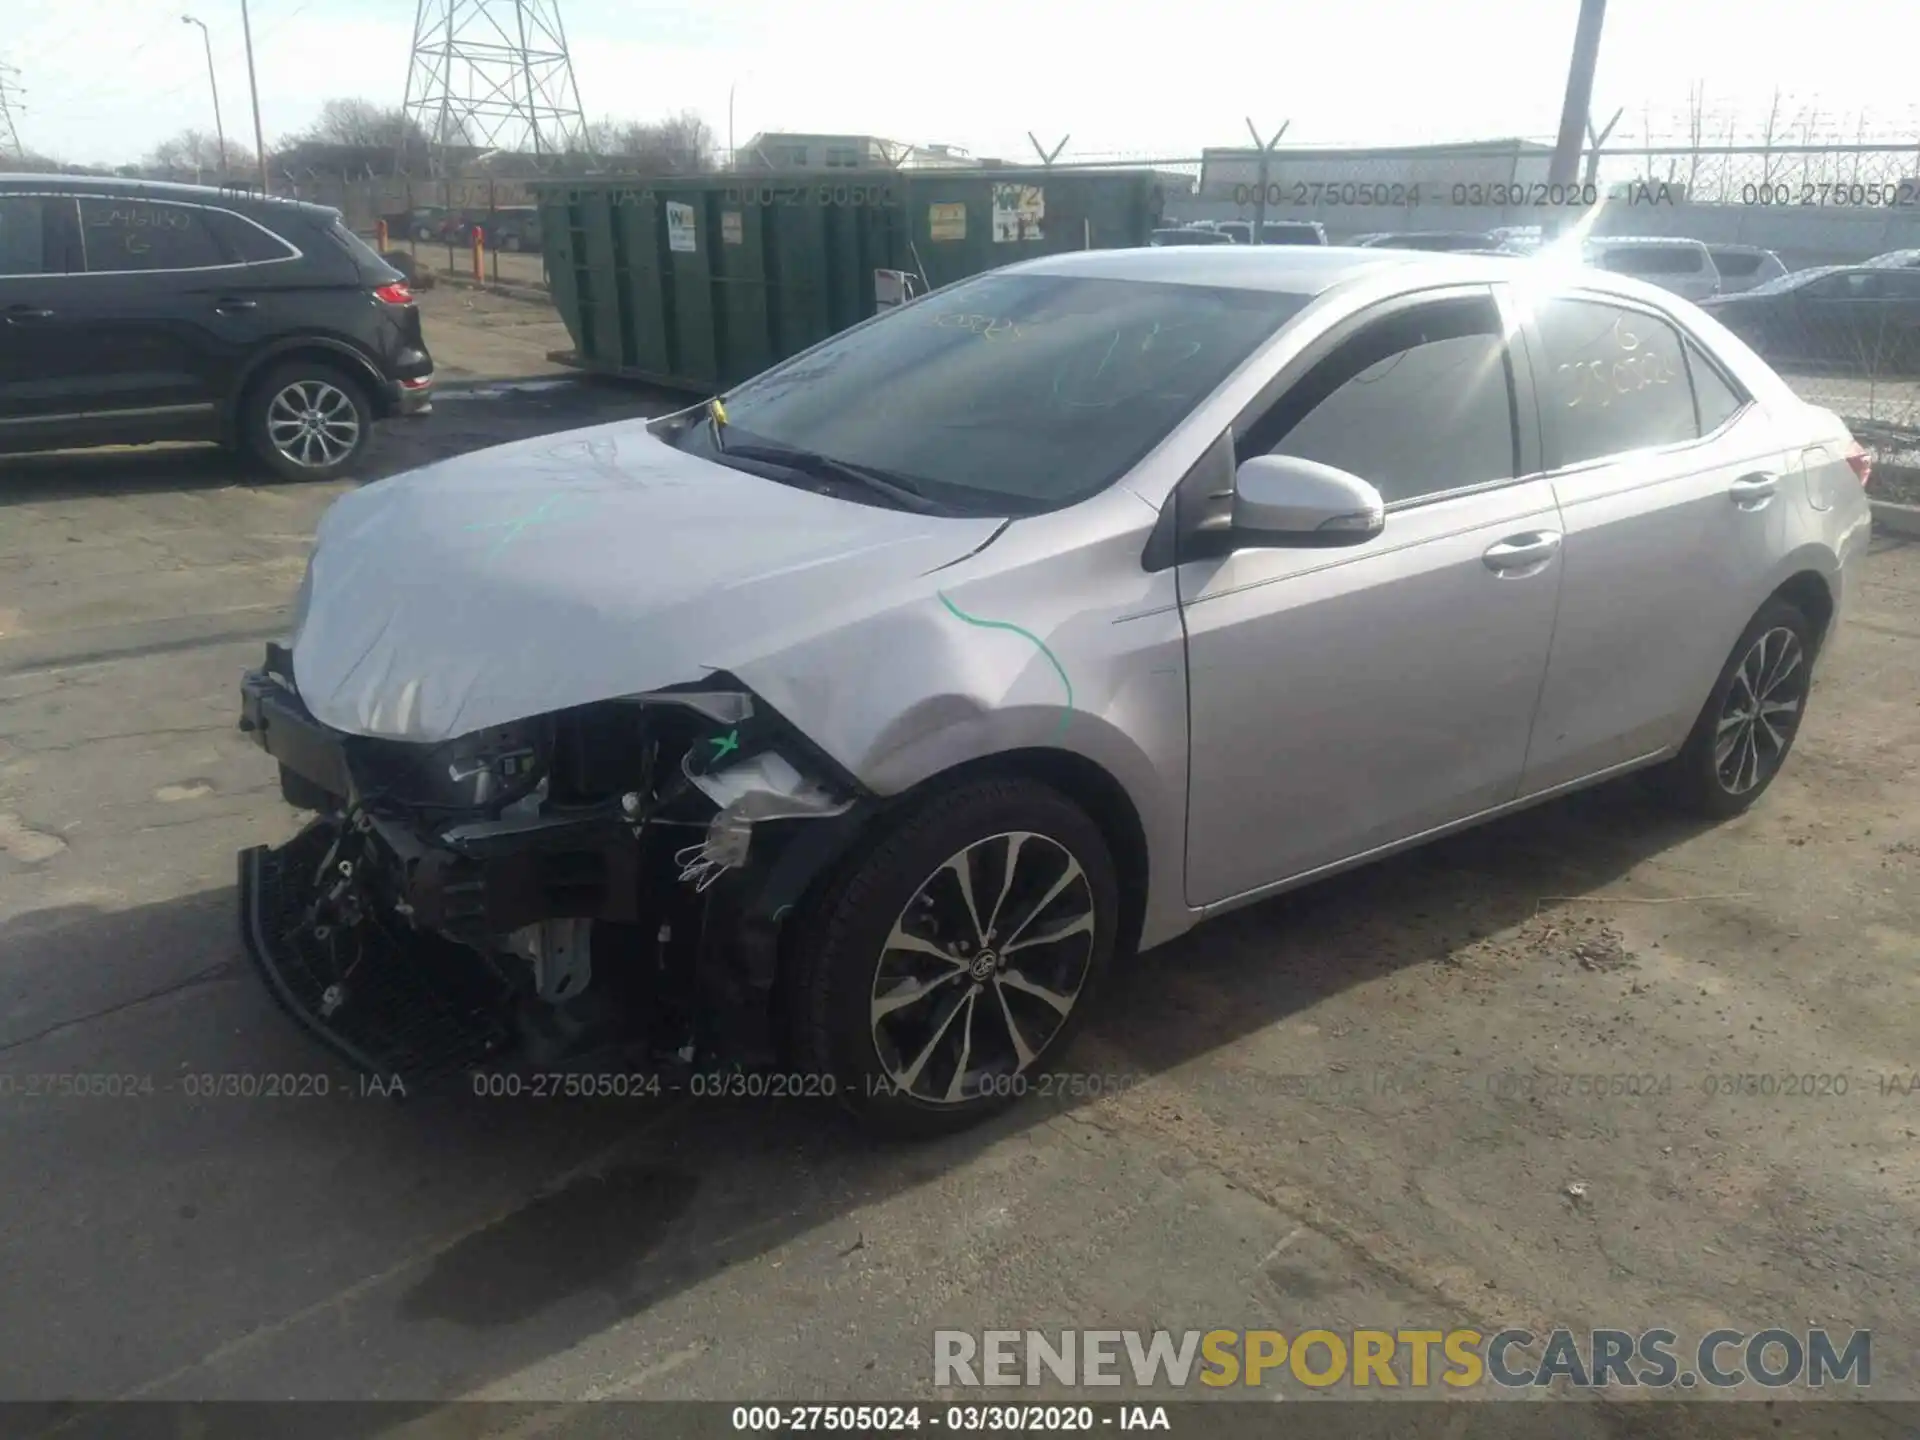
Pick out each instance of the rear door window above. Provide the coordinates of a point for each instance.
(1616, 380)
(22, 235)
(146, 235)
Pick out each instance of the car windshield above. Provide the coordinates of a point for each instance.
(1005, 394)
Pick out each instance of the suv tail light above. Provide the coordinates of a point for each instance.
(394, 294)
(1860, 462)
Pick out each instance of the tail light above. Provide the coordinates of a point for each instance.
(394, 294)
(1860, 462)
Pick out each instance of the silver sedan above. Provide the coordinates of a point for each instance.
(1048, 616)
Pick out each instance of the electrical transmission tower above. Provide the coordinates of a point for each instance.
(9, 98)
(494, 75)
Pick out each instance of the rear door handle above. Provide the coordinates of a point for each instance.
(1752, 492)
(1523, 554)
(28, 312)
(227, 304)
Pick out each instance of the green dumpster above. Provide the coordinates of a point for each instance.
(698, 282)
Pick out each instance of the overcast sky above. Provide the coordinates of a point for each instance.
(106, 79)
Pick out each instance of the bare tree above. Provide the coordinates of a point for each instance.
(1767, 138)
(1696, 132)
(195, 155)
(680, 144)
(363, 123)
(30, 163)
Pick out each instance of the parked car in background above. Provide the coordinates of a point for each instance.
(1430, 240)
(1188, 235)
(133, 311)
(1683, 266)
(1741, 267)
(1276, 232)
(513, 229)
(430, 222)
(1896, 260)
(1293, 232)
(1240, 571)
(1518, 239)
(1861, 318)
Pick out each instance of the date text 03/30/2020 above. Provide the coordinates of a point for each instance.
(1493, 195)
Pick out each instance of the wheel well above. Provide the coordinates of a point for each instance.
(1106, 803)
(1809, 594)
(334, 357)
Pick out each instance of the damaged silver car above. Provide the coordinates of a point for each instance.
(843, 730)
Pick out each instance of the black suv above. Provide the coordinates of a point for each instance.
(132, 311)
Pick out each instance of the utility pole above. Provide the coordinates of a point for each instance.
(253, 86)
(1565, 167)
(219, 128)
(9, 133)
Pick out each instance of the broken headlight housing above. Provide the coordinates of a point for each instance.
(484, 771)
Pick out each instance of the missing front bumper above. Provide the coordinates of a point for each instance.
(419, 1007)
(383, 937)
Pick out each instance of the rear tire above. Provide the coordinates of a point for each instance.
(307, 420)
(1748, 725)
(932, 1004)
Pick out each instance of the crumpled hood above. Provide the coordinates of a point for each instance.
(571, 568)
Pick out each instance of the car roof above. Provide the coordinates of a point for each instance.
(1649, 240)
(1294, 269)
(153, 190)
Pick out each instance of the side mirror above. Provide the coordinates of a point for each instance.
(1282, 500)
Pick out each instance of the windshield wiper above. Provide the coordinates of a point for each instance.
(807, 462)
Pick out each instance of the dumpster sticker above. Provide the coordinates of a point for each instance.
(947, 222)
(680, 227)
(1018, 212)
(730, 227)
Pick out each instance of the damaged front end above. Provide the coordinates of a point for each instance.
(598, 888)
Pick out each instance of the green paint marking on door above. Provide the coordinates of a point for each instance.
(1026, 635)
(724, 744)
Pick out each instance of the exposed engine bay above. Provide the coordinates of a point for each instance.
(596, 888)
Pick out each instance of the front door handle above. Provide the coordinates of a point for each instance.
(1523, 554)
(227, 304)
(28, 312)
(1752, 492)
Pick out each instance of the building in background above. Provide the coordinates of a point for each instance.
(790, 150)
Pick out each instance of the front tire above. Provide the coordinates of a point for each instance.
(307, 420)
(1749, 723)
(944, 971)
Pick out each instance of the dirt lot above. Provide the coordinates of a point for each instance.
(1361, 1105)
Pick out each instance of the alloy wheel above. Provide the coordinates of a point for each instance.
(313, 423)
(1762, 708)
(982, 968)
